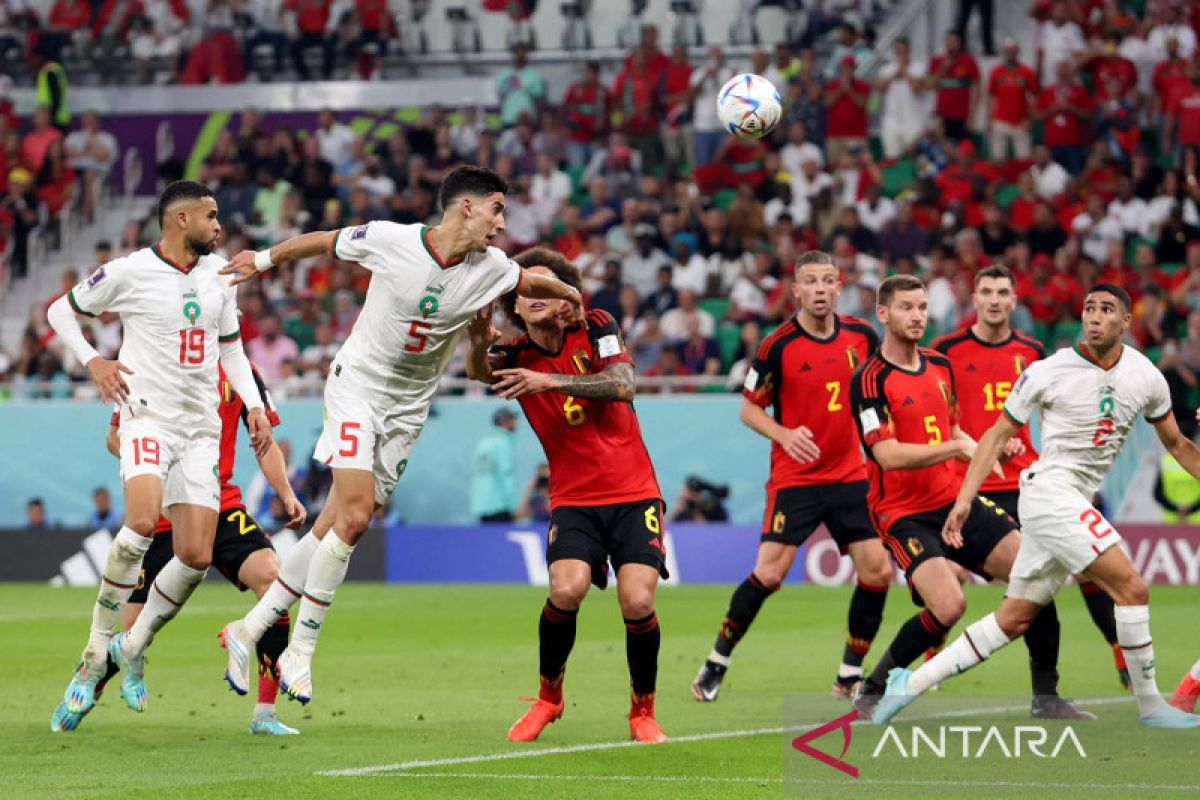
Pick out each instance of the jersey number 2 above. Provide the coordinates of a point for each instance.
(417, 331)
(191, 346)
(835, 391)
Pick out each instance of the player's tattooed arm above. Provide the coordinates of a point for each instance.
(614, 382)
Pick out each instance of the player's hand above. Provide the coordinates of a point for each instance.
(952, 529)
(513, 383)
(574, 303)
(260, 432)
(107, 377)
(480, 329)
(296, 511)
(798, 443)
(1012, 448)
(241, 267)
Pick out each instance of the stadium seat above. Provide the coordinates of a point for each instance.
(1043, 332)
(724, 198)
(1005, 194)
(899, 176)
(1171, 267)
(728, 338)
(717, 306)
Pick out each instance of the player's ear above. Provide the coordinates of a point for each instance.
(464, 206)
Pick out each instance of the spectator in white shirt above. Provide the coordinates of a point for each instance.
(1096, 227)
(785, 201)
(691, 273)
(1170, 194)
(1049, 176)
(809, 182)
(640, 268)
(334, 139)
(91, 152)
(464, 135)
(674, 322)
(551, 186)
(1171, 27)
(1129, 210)
(798, 150)
(1058, 39)
(748, 294)
(905, 101)
(875, 210)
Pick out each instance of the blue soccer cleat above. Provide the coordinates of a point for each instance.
(1169, 717)
(62, 720)
(895, 697)
(81, 691)
(268, 724)
(133, 684)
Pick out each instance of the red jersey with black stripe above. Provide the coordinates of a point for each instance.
(984, 374)
(594, 447)
(912, 407)
(232, 410)
(806, 381)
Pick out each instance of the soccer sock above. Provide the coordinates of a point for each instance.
(556, 637)
(1100, 606)
(919, 633)
(269, 648)
(170, 590)
(116, 584)
(1042, 639)
(747, 599)
(326, 572)
(642, 638)
(866, 615)
(285, 591)
(1195, 671)
(976, 643)
(1133, 632)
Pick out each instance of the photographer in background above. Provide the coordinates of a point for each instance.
(700, 501)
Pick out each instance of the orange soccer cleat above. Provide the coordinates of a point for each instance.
(534, 721)
(1186, 694)
(642, 726)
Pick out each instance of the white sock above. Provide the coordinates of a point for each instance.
(1195, 671)
(171, 589)
(717, 658)
(976, 643)
(264, 708)
(120, 576)
(325, 575)
(1133, 634)
(284, 592)
(849, 671)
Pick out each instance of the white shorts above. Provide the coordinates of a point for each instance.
(185, 462)
(1061, 535)
(357, 435)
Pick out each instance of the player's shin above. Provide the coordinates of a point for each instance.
(120, 577)
(744, 606)
(270, 647)
(1042, 639)
(975, 645)
(556, 637)
(326, 572)
(285, 591)
(865, 617)
(1133, 632)
(170, 590)
(915, 636)
(642, 640)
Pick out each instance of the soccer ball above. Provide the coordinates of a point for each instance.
(749, 106)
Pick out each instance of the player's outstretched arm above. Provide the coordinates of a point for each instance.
(985, 460)
(796, 442)
(106, 374)
(614, 382)
(891, 454)
(248, 263)
(547, 287)
(1182, 448)
(274, 468)
(481, 334)
(241, 377)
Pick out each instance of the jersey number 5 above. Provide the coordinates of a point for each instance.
(191, 346)
(417, 331)
(931, 427)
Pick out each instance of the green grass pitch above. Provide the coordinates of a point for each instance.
(433, 674)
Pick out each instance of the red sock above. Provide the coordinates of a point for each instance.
(268, 688)
(1118, 656)
(641, 703)
(933, 651)
(550, 691)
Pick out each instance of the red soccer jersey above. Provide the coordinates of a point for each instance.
(984, 375)
(594, 447)
(911, 407)
(952, 99)
(1166, 76)
(1010, 88)
(1185, 106)
(1063, 127)
(586, 111)
(1118, 66)
(847, 116)
(807, 382)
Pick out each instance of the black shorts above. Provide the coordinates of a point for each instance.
(621, 533)
(238, 537)
(915, 539)
(1007, 501)
(794, 512)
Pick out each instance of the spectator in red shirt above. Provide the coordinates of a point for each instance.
(1021, 209)
(1063, 108)
(678, 135)
(954, 77)
(634, 97)
(955, 180)
(1034, 291)
(1167, 75)
(1013, 89)
(37, 141)
(375, 25)
(654, 61)
(1105, 61)
(586, 106)
(1181, 122)
(67, 18)
(845, 111)
(312, 20)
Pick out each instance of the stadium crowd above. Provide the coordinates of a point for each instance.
(1085, 169)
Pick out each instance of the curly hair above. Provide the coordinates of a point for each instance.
(563, 269)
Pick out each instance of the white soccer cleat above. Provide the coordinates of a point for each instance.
(237, 662)
(295, 675)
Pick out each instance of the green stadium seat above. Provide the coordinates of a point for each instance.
(1043, 332)
(1006, 193)
(728, 339)
(724, 198)
(1067, 334)
(575, 173)
(1172, 267)
(899, 176)
(717, 306)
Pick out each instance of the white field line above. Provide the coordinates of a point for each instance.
(695, 737)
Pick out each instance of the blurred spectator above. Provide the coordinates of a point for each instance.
(271, 348)
(1049, 177)
(216, 57)
(664, 297)
(1013, 89)
(995, 236)
(535, 504)
(466, 132)
(700, 501)
(1063, 108)
(607, 296)
(646, 340)
(55, 181)
(20, 205)
(520, 88)
(849, 45)
(103, 515)
(91, 153)
(635, 105)
(965, 7)
(586, 105)
(902, 238)
(37, 142)
(1045, 236)
(1174, 487)
(749, 339)
(158, 36)
(374, 24)
(313, 19)
(699, 354)
(667, 366)
(301, 327)
(1181, 117)
(707, 81)
(267, 29)
(954, 77)
(1172, 26)
(551, 187)
(750, 291)
(268, 198)
(874, 210)
(846, 110)
(1174, 238)
(798, 149)
(678, 135)
(493, 492)
(36, 518)
(675, 321)
(1130, 211)
(334, 139)
(902, 85)
(1059, 41)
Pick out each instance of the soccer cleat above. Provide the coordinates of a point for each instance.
(295, 676)
(1169, 717)
(864, 701)
(534, 721)
(1053, 707)
(642, 726)
(82, 692)
(843, 688)
(707, 685)
(1186, 694)
(895, 697)
(237, 662)
(133, 685)
(268, 724)
(62, 720)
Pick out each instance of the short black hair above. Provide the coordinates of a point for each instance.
(180, 190)
(35, 501)
(995, 271)
(477, 181)
(557, 263)
(896, 283)
(1116, 291)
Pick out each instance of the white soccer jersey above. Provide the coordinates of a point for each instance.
(416, 309)
(1087, 410)
(174, 320)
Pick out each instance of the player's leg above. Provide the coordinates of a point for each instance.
(790, 517)
(636, 585)
(1188, 690)
(258, 571)
(1101, 609)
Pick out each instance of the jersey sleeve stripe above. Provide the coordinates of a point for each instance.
(870, 377)
(75, 305)
(229, 337)
(1159, 418)
(333, 245)
(1008, 414)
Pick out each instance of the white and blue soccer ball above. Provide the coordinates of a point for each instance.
(749, 106)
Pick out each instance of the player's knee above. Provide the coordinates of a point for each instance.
(637, 605)
(771, 574)
(141, 524)
(877, 572)
(567, 596)
(353, 522)
(262, 574)
(1131, 591)
(948, 609)
(196, 558)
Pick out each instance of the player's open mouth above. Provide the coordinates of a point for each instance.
(537, 306)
